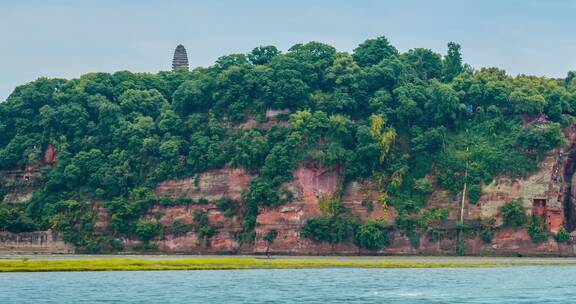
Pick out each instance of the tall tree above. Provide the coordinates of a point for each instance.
(452, 61)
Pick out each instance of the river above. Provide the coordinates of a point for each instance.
(524, 284)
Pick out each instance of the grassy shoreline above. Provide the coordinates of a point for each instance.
(133, 264)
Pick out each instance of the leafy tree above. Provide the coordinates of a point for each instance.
(527, 100)
(204, 153)
(146, 102)
(286, 84)
(170, 122)
(261, 193)
(224, 62)
(344, 74)
(263, 54)
(250, 150)
(14, 220)
(372, 51)
(453, 61)
(426, 64)
(315, 58)
(193, 95)
(540, 138)
(443, 105)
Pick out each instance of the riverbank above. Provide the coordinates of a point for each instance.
(141, 263)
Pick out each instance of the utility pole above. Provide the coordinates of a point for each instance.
(464, 191)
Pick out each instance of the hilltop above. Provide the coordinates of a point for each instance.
(309, 151)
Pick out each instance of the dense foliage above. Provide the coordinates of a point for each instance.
(372, 235)
(513, 214)
(376, 113)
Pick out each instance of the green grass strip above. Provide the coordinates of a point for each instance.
(128, 264)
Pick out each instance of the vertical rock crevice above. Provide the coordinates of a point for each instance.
(570, 200)
(570, 181)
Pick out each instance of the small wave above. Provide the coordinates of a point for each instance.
(410, 294)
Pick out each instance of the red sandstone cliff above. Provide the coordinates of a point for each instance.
(545, 192)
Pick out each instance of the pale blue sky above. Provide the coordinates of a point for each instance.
(65, 38)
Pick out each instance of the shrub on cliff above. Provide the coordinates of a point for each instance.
(331, 229)
(179, 228)
(537, 230)
(563, 236)
(270, 236)
(474, 193)
(227, 205)
(372, 235)
(369, 205)
(423, 185)
(486, 234)
(409, 226)
(261, 193)
(487, 231)
(202, 224)
(146, 230)
(513, 214)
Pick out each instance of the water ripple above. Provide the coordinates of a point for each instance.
(322, 286)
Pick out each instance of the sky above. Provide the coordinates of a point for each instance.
(66, 39)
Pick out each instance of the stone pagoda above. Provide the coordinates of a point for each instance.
(180, 60)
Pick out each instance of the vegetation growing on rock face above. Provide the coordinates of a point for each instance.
(487, 231)
(227, 206)
(372, 235)
(179, 228)
(563, 236)
(270, 236)
(395, 118)
(513, 214)
(331, 229)
(537, 230)
(203, 226)
(147, 230)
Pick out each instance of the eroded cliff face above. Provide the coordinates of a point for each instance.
(542, 194)
(210, 185)
(224, 239)
(308, 186)
(20, 184)
(311, 184)
(549, 192)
